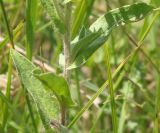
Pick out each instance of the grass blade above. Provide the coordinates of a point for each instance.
(111, 91)
(31, 13)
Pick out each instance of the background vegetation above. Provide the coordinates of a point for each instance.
(128, 74)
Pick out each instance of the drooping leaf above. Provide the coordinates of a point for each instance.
(58, 85)
(51, 9)
(48, 106)
(105, 24)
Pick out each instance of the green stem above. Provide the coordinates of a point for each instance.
(111, 92)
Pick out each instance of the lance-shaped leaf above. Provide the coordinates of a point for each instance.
(48, 106)
(52, 7)
(105, 24)
(58, 85)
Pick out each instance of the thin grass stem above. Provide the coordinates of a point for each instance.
(111, 91)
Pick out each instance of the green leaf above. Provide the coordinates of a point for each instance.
(58, 85)
(81, 15)
(48, 106)
(121, 16)
(105, 24)
(31, 15)
(52, 10)
(84, 42)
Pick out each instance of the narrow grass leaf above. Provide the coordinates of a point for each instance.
(79, 16)
(111, 91)
(31, 13)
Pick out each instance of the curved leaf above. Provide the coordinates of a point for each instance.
(105, 24)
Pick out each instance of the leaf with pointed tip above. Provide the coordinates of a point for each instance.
(58, 85)
(48, 106)
(106, 23)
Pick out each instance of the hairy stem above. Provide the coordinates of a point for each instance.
(66, 45)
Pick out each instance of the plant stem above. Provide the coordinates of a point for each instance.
(66, 45)
(111, 92)
(67, 39)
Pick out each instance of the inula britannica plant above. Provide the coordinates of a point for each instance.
(79, 66)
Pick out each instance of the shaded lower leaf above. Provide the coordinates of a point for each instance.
(58, 85)
(48, 106)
